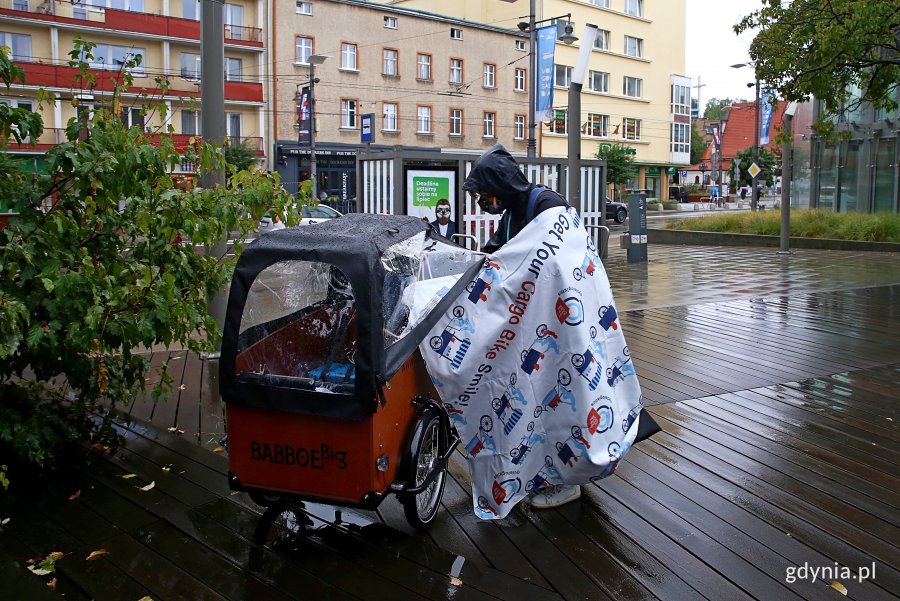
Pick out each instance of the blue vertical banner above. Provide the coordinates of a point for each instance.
(767, 99)
(546, 46)
(366, 126)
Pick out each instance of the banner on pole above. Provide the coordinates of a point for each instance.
(304, 117)
(546, 46)
(767, 98)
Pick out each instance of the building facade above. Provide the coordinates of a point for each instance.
(166, 33)
(634, 92)
(430, 82)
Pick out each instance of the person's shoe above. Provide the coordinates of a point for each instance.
(554, 496)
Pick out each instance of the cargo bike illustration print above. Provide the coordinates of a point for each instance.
(326, 393)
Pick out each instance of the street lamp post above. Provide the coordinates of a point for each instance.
(566, 38)
(313, 60)
(754, 192)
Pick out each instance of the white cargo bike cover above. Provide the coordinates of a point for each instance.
(532, 365)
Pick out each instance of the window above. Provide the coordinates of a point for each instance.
(601, 42)
(490, 73)
(632, 128)
(112, 58)
(348, 56)
(559, 122)
(681, 100)
(631, 86)
(423, 119)
(304, 49)
(600, 3)
(28, 105)
(233, 69)
(634, 46)
(456, 122)
(349, 113)
(634, 7)
(389, 112)
(389, 62)
(132, 116)
(681, 137)
(19, 45)
(234, 15)
(521, 77)
(423, 67)
(598, 81)
(489, 119)
(390, 22)
(304, 8)
(563, 76)
(233, 127)
(597, 125)
(20, 5)
(520, 127)
(456, 70)
(455, 33)
(521, 46)
(190, 66)
(190, 122)
(190, 9)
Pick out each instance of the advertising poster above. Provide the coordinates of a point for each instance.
(429, 192)
(546, 47)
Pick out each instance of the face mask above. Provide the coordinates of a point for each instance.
(489, 204)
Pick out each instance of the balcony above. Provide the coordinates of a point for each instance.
(48, 139)
(123, 20)
(51, 137)
(64, 77)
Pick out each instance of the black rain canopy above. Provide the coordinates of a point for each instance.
(320, 316)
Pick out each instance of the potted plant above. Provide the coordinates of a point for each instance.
(695, 192)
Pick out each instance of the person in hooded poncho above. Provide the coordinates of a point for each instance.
(499, 187)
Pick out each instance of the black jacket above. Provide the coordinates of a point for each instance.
(496, 172)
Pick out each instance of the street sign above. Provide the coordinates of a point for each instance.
(684, 173)
(366, 126)
(754, 170)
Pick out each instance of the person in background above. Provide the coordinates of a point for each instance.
(443, 225)
(500, 188)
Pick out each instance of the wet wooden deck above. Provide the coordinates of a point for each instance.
(780, 450)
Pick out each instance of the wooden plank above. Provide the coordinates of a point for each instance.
(802, 507)
(786, 551)
(19, 584)
(188, 416)
(166, 409)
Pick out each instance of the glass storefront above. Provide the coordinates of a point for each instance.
(885, 197)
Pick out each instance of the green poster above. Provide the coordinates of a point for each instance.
(427, 190)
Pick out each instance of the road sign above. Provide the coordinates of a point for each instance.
(684, 173)
(366, 127)
(754, 169)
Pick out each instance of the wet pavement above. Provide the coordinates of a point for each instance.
(774, 378)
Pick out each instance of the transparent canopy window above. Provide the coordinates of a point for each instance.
(299, 322)
(418, 272)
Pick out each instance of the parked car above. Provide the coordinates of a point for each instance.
(678, 193)
(616, 211)
(308, 216)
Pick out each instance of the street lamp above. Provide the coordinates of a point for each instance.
(313, 60)
(754, 198)
(703, 169)
(567, 38)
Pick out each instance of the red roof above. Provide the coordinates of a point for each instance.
(738, 133)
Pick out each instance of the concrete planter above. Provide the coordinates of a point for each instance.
(665, 236)
(654, 207)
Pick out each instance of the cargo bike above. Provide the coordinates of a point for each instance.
(327, 397)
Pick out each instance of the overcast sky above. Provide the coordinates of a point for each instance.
(712, 47)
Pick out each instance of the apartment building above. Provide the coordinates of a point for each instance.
(166, 33)
(634, 93)
(431, 83)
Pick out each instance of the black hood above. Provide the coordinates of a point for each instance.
(497, 173)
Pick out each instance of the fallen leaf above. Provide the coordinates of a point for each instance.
(97, 553)
(167, 468)
(173, 429)
(52, 584)
(39, 571)
(839, 587)
(148, 487)
(218, 450)
(455, 581)
(182, 387)
(56, 555)
(75, 495)
(4, 521)
(145, 599)
(128, 476)
(100, 447)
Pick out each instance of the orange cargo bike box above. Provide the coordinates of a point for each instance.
(327, 397)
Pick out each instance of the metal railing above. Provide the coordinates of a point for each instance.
(243, 33)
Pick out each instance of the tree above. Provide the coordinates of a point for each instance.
(240, 156)
(101, 272)
(843, 52)
(767, 162)
(714, 107)
(620, 165)
(698, 144)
